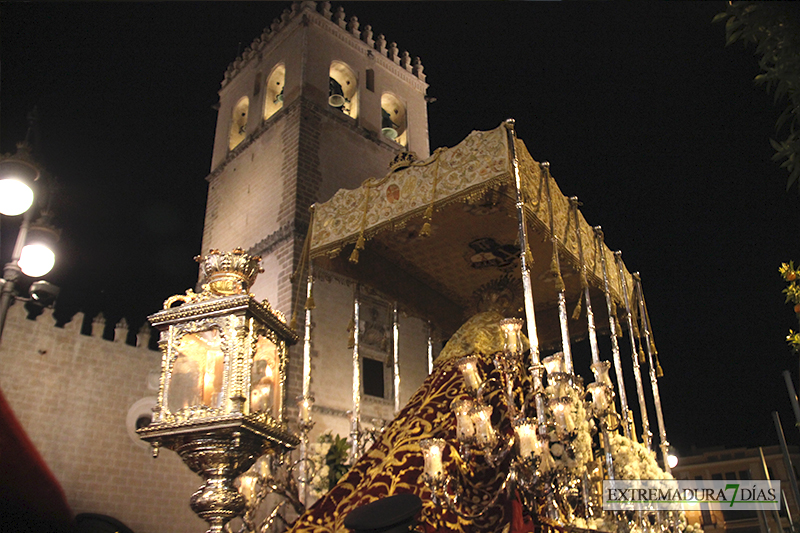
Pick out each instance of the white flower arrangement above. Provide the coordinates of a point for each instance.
(327, 458)
(632, 460)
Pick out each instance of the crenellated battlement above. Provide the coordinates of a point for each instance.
(336, 18)
(96, 326)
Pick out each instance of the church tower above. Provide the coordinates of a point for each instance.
(315, 104)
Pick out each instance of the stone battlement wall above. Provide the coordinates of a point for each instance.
(78, 397)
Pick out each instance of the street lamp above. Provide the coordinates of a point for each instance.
(32, 254)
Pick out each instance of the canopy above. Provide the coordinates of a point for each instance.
(468, 197)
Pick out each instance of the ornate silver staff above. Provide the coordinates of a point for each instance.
(648, 337)
(306, 401)
(555, 267)
(612, 324)
(430, 347)
(396, 357)
(637, 375)
(356, 415)
(573, 202)
(527, 289)
(599, 368)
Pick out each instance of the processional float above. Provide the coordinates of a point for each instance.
(503, 429)
(479, 241)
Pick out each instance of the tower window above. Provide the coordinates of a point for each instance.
(343, 89)
(370, 80)
(257, 84)
(275, 91)
(393, 119)
(239, 122)
(373, 377)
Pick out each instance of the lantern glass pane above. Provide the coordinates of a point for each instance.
(198, 371)
(264, 378)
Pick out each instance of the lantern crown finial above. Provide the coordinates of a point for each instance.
(229, 273)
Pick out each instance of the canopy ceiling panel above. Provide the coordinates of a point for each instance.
(474, 235)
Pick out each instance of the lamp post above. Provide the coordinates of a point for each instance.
(32, 254)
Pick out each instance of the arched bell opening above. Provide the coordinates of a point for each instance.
(343, 89)
(238, 122)
(275, 91)
(393, 119)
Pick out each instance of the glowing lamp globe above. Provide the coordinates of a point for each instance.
(672, 460)
(36, 260)
(15, 196)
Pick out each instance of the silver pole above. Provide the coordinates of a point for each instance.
(788, 511)
(356, 416)
(591, 326)
(637, 375)
(430, 347)
(787, 376)
(612, 324)
(566, 347)
(307, 335)
(787, 462)
(585, 283)
(396, 357)
(527, 288)
(302, 482)
(775, 515)
(648, 340)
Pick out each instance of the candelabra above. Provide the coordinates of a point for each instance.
(281, 476)
(541, 434)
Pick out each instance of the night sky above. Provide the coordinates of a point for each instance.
(641, 110)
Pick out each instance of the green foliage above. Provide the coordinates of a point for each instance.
(791, 276)
(774, 29)
(336, 458)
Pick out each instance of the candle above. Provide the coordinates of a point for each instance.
(261, 393)
(482, 419)
(511, 335)
(563, 416)
(526, 435)
(600, 370)
(305, 409)
(469, 370)
(554, 363)
(600, 397)
(465, 429)
(432, 454)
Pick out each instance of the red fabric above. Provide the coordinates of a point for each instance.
(31, 498)
(519, 522)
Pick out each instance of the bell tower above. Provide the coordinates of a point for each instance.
(316, 103)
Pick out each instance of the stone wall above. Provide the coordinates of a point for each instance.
(73, 394)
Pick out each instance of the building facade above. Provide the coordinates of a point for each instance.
(315, 104)
(742, 464)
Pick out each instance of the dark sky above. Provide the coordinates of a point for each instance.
(642, 111)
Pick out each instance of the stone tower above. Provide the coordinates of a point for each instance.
(315, 104)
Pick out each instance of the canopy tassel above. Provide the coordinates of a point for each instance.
(359, 246)
(576, 313)
(428, 216)
(426, 227)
